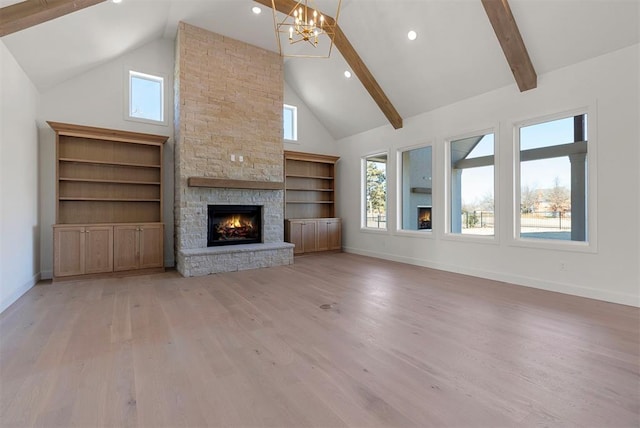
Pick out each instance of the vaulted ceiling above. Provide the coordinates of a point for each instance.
(455, 56)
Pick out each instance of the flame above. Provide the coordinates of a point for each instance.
(425, 216)
(236, 221)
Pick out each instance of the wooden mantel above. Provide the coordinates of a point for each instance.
(234, 184)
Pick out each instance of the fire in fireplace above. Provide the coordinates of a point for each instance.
(424, 217)
(234, 224)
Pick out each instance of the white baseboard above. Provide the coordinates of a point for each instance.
(558, 287)
(19, 292)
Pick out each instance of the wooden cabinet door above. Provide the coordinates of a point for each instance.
(334, 234)
(309, 236)
(151, 248)
(294, 235)
(98, 249)
(68, 251)
(323, 234)
(126, 251)
(329, 234)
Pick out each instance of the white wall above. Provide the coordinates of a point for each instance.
(312, 135)
(19, 230)
(96, 98)
(609, 87)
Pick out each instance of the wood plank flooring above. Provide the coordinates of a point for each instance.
(396, 345)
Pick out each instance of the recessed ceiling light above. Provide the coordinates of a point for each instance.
(117, 1)
(256, 10)
(347, 74)
(412, 35)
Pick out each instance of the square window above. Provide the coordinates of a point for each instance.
(290, 122)
(146, 97)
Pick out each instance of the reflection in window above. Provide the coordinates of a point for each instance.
(416, 189)
(472, 185)
(375, 192)
(553, 179)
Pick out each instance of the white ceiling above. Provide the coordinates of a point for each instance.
(456, 55)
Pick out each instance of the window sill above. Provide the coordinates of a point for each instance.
(556, 245)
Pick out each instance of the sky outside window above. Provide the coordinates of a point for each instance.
(146, 97)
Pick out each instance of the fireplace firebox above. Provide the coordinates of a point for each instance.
(234, 224)
(424, 217)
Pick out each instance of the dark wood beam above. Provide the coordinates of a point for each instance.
(355, 62)
(506, 29)
(28, 13)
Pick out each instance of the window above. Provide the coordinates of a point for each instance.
(290, 122)
(416, 183)
(553, 179)
(375, 191)
(472, 186)
(146, 97)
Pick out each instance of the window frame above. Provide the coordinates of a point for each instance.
(294, 124)
(363, 193)
(129, 73)
(425, 233)
(589, 246)
(448, 234)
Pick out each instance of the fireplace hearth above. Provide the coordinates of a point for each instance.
(234, 224)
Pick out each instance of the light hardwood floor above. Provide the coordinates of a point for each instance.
(399, 345)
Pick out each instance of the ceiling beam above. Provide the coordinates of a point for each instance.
(506, 29)
(353, 59)
(28, 13)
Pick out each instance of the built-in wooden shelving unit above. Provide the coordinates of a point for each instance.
(108, 190)
(310, 202)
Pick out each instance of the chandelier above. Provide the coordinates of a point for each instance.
(307, 28)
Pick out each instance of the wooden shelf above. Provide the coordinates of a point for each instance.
(310, 202)
(71, 198)
(98, 162)
(91, 180)
(318, 177)
(297, 189)
(309, 185)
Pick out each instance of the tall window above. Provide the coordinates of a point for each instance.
(375, 192)
(417, 203)
(553, 179)
(472, 185)
(290, 122)
(146, 97)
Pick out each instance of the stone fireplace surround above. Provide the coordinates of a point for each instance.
(228, 98)
(196, 259)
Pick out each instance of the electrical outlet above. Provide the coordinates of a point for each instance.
(563, 266)
(241, 158)
(233, 158)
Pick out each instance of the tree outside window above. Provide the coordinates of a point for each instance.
(376, 192)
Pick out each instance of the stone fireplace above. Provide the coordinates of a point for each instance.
(229, 153)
